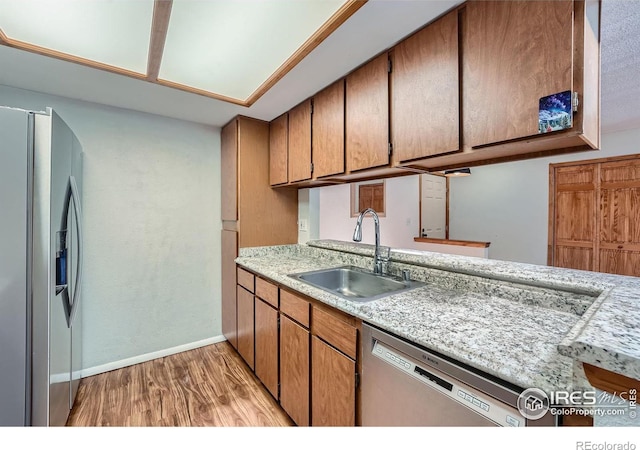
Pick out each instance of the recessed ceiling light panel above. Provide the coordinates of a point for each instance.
(113, 32)
(232, 47)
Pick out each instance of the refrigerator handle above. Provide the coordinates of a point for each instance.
(78, 213)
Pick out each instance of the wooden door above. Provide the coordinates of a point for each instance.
(278, 156)
(229, 314)
(300, 142)
(333, 388)
(229, 169)
(514, 52)
(619, 246)
(574, 217)
(425, 101)
(245, 308)
(294, 370)
(367, 115)
(266, 345)
(328, 131)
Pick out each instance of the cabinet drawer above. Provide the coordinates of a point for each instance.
(295, 307)
(267, 292)
(334, 328)
(246, 279)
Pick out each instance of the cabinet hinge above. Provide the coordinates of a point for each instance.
(575, 102)
(390, 148)
(278, 322)
(311, 106)
(389, 66)
(311, 167)
(357, 379)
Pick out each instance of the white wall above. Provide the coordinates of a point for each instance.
(152, 227)
(397, 229)
(507, 204)
(308, 200)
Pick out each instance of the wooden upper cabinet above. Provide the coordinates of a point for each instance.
(229, 164)
(328, 131)
(513, 54)
(278, 157)
(425, 100)
(367, 115)
(300, 142)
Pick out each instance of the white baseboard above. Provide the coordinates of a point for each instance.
(149, 356)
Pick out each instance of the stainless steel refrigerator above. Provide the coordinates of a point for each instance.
(40, 267)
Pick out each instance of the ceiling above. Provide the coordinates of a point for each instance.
(374, 27)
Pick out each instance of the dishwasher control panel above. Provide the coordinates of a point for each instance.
(498, 412)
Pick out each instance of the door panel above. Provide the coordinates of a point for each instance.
(328, 131)
(60, 333)
(229, 175)
(246, 325)
(434, 206)
(333, 389)
(229, 313)
(425, 85)
(76, 327)
(266, 339)
(596, 216)
(13, 248)
(278, 150)
(504, 43)
(294, 370)
(367, 115)
(300, 142)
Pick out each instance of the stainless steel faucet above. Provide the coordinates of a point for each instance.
(357, 236)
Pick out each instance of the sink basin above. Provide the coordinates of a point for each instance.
(356, 284)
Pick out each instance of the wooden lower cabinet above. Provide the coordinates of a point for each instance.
(333, 386)
(266, 345)
(245, 308)
(294, 370)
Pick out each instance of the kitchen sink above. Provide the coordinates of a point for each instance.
(356, 284)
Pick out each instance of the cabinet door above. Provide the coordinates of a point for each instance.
(328, 131)
(300, 142)
(367, 115)
(294, 370)
(229, 175)
(229, 317)
(278, 135)
(333, 387)
(513, 54)
(266, 339)
(245, 309)
(425, 101)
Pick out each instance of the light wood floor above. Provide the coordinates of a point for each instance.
(209, 386)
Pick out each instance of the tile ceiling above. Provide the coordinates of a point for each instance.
(229, 50)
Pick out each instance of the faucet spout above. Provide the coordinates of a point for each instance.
(357, 237)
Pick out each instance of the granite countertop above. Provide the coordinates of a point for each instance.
(522, 323)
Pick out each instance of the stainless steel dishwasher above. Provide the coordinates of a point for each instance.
(405, 385)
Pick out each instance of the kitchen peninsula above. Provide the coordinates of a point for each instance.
(529, 326)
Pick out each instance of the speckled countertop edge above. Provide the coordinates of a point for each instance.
(607, 335)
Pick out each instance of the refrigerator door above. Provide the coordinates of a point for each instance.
(60, 332)
(14, 308)
(77, 250)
